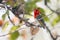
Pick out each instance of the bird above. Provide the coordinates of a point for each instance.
(38, 16)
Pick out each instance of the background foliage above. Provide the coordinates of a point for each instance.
(30, 5)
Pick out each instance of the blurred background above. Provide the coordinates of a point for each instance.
(20, 31)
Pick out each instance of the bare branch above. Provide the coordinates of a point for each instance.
(12, 32)
(45, 1)
(10, 19)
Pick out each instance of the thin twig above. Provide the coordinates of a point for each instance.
(50, 33)
(12, 32)
(45, 2)
(10, 19)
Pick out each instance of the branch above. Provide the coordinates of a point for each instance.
(51, 34)
(12, 32)
(45, 2)
(10, 19)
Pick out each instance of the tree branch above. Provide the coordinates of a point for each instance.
(12, 32)
(10, 19)
(45, 2)
(51, 34)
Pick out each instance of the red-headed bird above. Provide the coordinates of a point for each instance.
(38, 16)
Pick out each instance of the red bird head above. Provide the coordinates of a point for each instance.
(36, 12)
